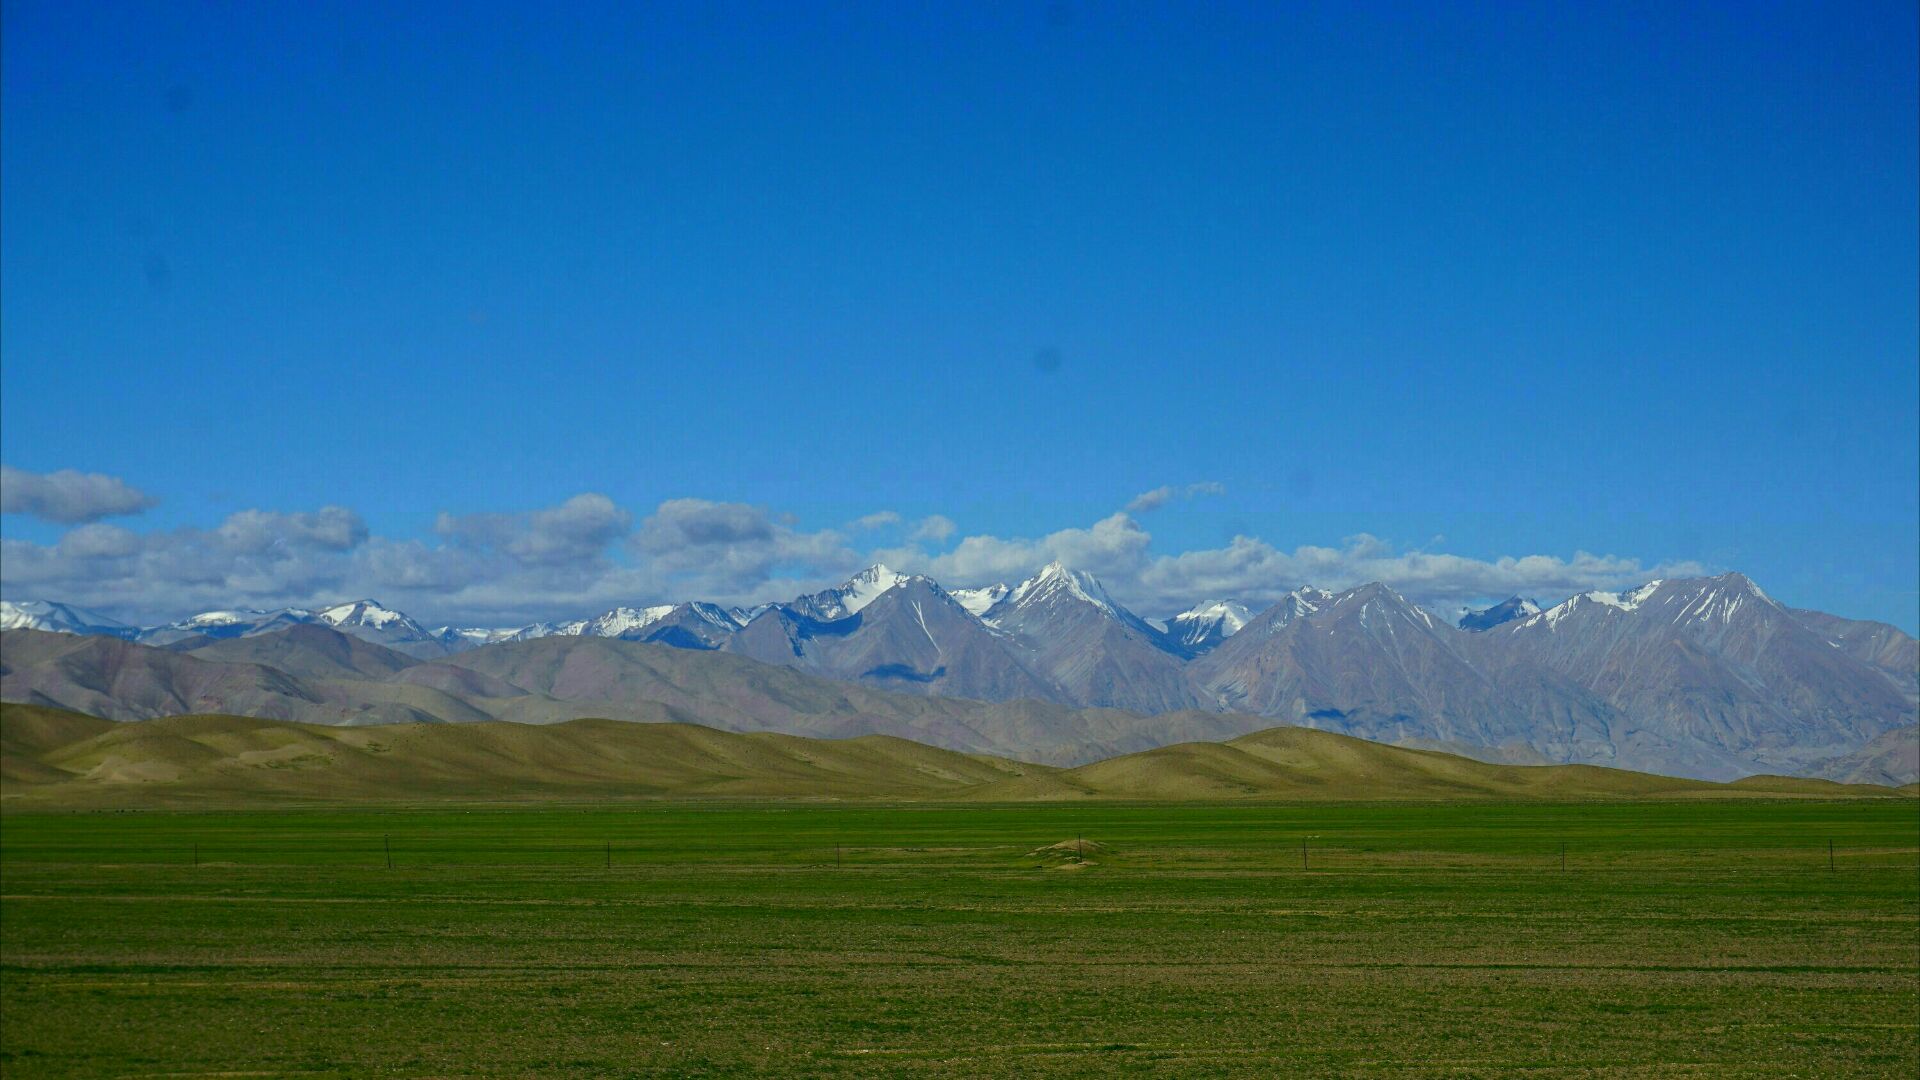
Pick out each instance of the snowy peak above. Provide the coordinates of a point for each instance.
(1296, 605)
(215, 620)
(1205, 625)
(1504, 612)
(1378, 601)
(1043, 605)
(1056, 582)
(1677, 602)
(625, 620)
(979, 601)
(832, 605)
(58, 618)
(368, 613)
(866, 586)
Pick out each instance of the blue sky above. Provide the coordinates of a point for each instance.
(1401, 283)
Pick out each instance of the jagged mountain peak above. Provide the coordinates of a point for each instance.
(1207, 624)
(981, 600)
(1677, 600)
(1058, 581)
(55, 617)
(1506, 611)
(847, 598)
(362, 613)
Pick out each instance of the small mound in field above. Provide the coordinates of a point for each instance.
(1070, 849)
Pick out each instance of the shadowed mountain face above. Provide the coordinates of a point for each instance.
(309, 651)
(1892, 759)
(1714, 669)
(1368, 663)
(1705, 677)
(1879, 646)
(548, 680)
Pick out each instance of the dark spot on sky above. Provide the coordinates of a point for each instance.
(1047, 360)
(179, 98)
(159, 274)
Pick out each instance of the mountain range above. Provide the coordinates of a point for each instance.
(1702, 677)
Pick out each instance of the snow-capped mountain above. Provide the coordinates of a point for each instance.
(1504, 612)
(370, 620)
(912, 637)
(1717, 668)
(861, 589)
(223, 625)
(59, 618)
(979, 601)
(1203, 626)
(1090, 646)
(1707, 677)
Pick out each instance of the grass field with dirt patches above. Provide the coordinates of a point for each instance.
(1689, 939)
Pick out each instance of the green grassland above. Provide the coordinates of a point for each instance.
(1683, 938)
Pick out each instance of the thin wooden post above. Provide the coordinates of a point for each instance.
(1563, 856)
(386, 842)
(1303, 853)
(609, 854)
(1829, 855)
(1080, 849)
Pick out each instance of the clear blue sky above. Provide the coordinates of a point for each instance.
(1628, 279)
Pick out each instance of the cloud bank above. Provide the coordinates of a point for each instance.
(69, 497)
(587, 553)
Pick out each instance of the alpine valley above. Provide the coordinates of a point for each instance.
(1703, 677)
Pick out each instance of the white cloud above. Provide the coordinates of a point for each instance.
(330, 528)
(1148, 501)
(934, 527)
(730, 551)
(587, 554)
(578, 530)
(69, 497)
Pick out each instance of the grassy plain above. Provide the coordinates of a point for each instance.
(1682, 939)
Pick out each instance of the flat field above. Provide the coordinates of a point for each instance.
(1681, 939)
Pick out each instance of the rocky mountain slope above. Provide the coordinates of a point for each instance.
(1707, 677)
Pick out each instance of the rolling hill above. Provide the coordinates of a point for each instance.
(53, 758)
